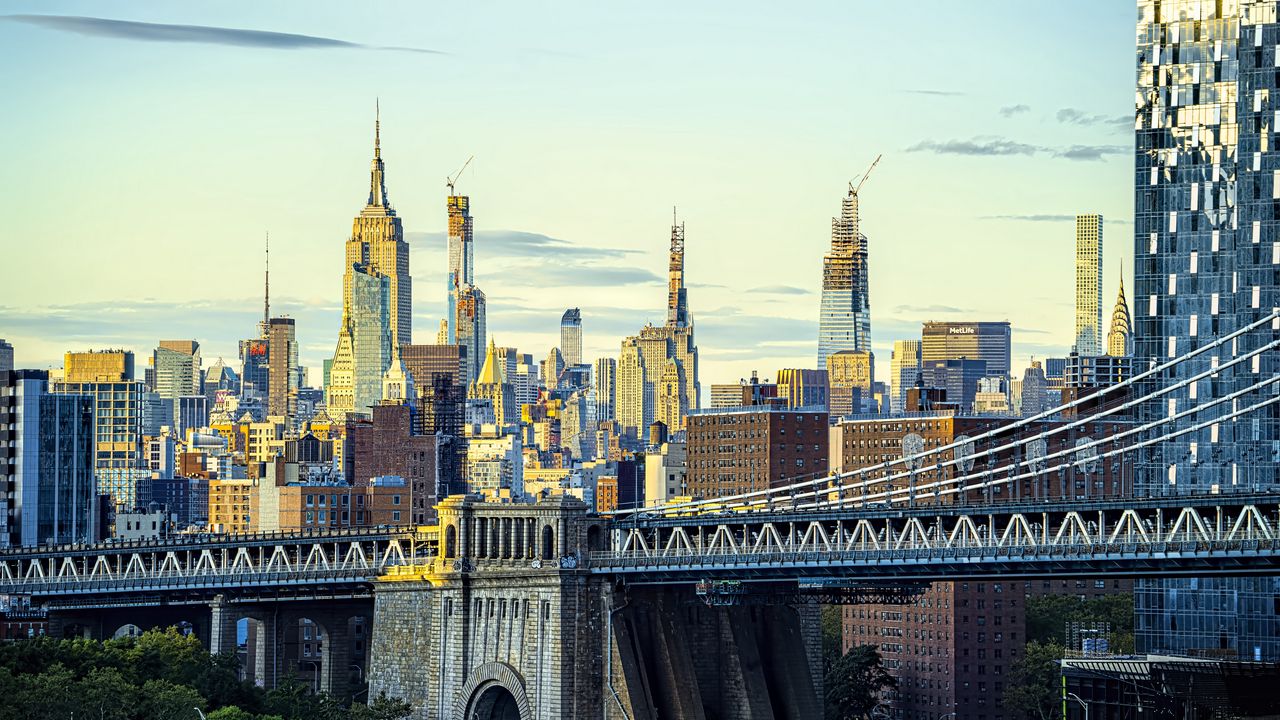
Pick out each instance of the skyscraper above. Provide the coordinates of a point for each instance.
(46, 462)
(606, 378)
(376, 299)
(461, 253)
(6, 355)
(904, 370)
(1119, 339)
(470, 326)
(284, 379)
(642, 362)
(177, 374)
(1089, 284)
(571, 336)
(844, 319)
(987, 341)
(120, 464)
(1206, 249)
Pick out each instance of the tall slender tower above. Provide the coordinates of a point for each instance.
(844, 318)
(1118, 339)
(1089, 285)
(571, 336)
(677, 295)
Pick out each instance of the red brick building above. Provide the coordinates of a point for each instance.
(952, 649)
(738, 450)
(386, 445)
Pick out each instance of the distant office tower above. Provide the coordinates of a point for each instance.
(851, 376)
(6, 355)
(571, 336)
(120, 464)
(364, 346)
(959, 377)
(606, 378)
(844, 321)
(470, 326)
(46, 463)
(177, 374)
(802, 388)
(642, 362)
(904, 371)
(1035, 390)
(284, 378)
(987, 341)
(461, 272)
(1089, 284)
(255, 368)
(1206, 249)
(1119, 339)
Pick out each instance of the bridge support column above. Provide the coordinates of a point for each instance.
(222, 628)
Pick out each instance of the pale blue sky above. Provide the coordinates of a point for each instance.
(139, 176)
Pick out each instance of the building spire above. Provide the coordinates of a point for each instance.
(677, 298)
(266, 291)
(377, 172)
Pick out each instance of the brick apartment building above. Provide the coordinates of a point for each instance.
(738, 450)
(952, 648)
(387, 445)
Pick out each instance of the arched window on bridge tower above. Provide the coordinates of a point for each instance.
(593, 538)
(548, 543)
(451, 542)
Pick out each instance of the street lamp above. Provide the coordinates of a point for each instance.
(200, 713)
(1083, 704)
(315, 679)
(948, 715)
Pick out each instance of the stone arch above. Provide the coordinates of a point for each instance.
(548, 543)
(488, 677)
(594, 534)
(451, 541)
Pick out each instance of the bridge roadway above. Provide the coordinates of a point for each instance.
(1221, 534)
(195, 568)
(1226, 534)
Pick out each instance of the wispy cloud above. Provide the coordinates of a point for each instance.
(939, 93)
(1075, 116)
(204, 34)
(977, 146)
(532, 258)
(1032, 217)
(521, 244)
(997, 146)
(1011, 110)
(929, 309)
(1091, 153)
(781, 290)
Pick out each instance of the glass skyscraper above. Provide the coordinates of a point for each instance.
(844, 320)
(1206, 256)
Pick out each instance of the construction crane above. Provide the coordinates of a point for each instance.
(853, 190)
(454, 178)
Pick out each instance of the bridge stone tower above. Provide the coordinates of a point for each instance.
(504, 622)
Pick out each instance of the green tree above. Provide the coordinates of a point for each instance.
(1048, 615)
(382, 708)
(854, 684)
(164, 700)
(1035, 682)
(105, 694)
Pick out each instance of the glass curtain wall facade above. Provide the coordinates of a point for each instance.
(1207, 199)
(844, 321)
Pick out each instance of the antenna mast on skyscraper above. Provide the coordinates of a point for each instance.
(454, 178)
(266, 295)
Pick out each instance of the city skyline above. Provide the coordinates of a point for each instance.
(749, 319)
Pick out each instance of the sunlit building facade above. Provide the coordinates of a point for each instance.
(1088, 284)
(1206, 253)
(904, 371)
(844, 320)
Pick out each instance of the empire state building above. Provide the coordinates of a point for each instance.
(377, 303)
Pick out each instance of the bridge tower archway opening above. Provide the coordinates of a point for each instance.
(494, 702)
(126, 630)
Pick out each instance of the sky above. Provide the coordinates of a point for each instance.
(149, 146)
